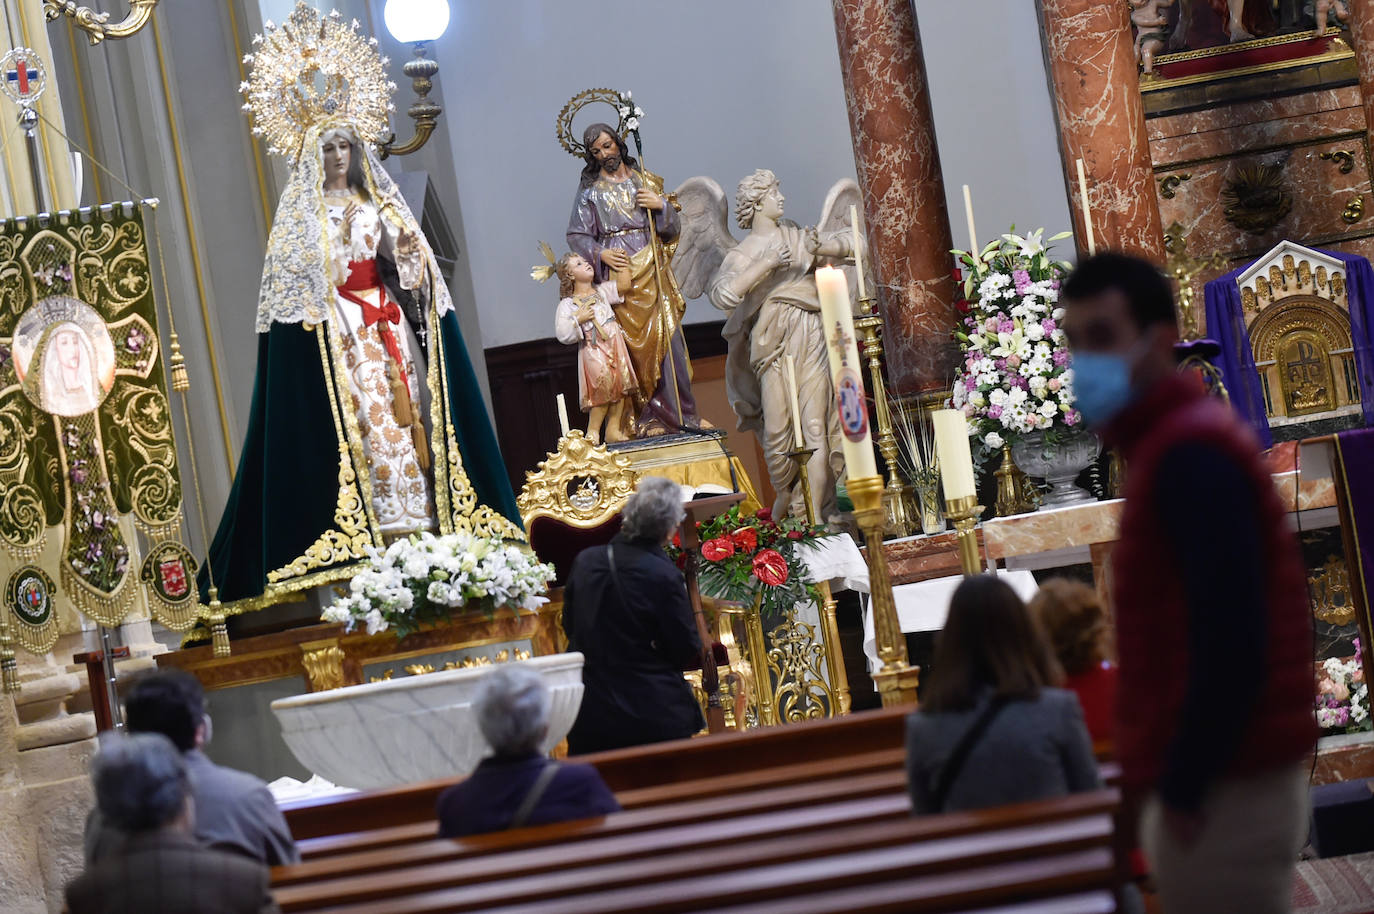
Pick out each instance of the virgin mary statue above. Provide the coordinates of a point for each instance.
(367, 423)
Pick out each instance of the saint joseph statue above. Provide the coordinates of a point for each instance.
(610, 228)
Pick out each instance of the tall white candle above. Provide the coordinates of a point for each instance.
(846, 372)
(798, 441)
(1087, 210)
(951, 447)
(563, 415)
(858, 249)
(972, 232)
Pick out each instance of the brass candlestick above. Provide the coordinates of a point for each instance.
(896, 679)
(830, 632)
(869, 327)
(964, 513)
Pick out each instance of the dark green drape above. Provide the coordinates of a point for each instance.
(476, 439)
(287, 483)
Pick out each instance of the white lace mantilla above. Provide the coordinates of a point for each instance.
(297, 279)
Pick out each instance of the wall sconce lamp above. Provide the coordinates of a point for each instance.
(96, 25)
(416, 23)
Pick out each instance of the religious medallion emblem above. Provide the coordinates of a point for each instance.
(29, 595)
(849, 396)
(169, 570)
(24, 76)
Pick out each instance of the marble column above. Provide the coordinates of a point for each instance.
(1362, 41)
(1089, 49)
(904, 196)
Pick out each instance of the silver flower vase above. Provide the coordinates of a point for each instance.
(1058, 460)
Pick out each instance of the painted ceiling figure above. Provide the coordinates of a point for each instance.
(367, 422)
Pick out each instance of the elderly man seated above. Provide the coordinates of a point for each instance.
(142, 788)
(234, 810)
(518, 785)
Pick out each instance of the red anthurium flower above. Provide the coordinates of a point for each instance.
(770, 567)
(746, 539)
(717, 550)
(677, 539)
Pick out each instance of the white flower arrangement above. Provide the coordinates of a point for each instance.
(1015, 378)
(1343, 695)
(426, 579)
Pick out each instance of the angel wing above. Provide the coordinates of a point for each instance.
(835, 211)
(705, 237)
(844, 193)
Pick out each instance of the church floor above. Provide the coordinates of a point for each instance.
(1336, 885)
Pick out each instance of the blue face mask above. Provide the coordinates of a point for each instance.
(1102, 385)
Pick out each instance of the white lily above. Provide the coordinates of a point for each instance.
(1030, 245)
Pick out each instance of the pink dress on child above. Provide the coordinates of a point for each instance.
(605, 372)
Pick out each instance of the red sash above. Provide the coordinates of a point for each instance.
(362, 277)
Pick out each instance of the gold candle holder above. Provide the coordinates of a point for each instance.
(1011, 487)
(964, 514)
(869, 327)
(830, 631)
(896, 678)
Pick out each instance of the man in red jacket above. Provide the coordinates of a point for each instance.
(1214, 704)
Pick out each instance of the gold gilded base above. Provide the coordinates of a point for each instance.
(896, 678)
(898, 687)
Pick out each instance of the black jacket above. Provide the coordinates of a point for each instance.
(636, 649)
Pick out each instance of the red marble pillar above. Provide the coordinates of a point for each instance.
(1362, 41)
(1093, 73)
(904, 195)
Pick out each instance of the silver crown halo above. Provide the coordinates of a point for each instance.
(314, 69)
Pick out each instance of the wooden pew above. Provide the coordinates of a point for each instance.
(635, 798)
(626, 769)
(878, 795)
(826, 859)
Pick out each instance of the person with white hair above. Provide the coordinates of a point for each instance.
(625, 608)
(518, 785)
(142, 788)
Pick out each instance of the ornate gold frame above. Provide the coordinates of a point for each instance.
(581, 484)
(95, 24)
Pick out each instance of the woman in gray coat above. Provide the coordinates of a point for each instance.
(992, 730)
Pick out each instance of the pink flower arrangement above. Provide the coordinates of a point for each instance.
(1015, 377)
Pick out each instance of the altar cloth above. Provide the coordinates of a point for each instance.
(923, 606)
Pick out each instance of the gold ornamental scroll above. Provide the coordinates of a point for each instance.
(90, 491)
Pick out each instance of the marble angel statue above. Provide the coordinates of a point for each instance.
(367, 423)
(766, 285)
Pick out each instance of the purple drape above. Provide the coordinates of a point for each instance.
(1355, 450)
(1226, 325)
(1359, 290)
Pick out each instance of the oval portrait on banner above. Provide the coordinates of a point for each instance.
(64, 356)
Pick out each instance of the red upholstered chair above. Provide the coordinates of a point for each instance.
(573, 499)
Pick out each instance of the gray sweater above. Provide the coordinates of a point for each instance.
(1033, 750)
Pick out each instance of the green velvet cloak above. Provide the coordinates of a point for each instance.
(287, 488)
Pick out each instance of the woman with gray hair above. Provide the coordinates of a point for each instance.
(625, 608)
(142, 788)
(518, 785)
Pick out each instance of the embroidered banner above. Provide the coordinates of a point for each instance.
(88, 469)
